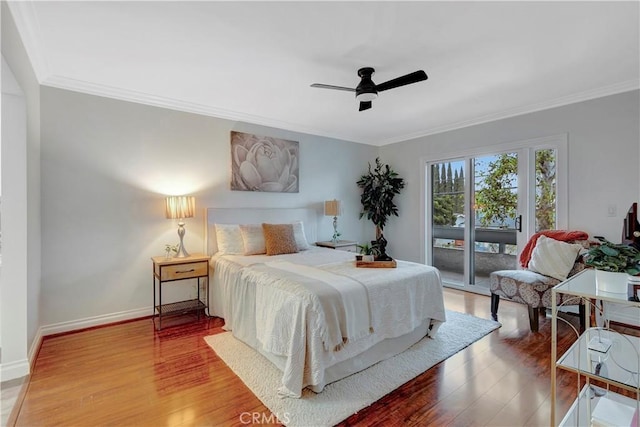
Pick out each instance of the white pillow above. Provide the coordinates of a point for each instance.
(553, 258)
(229, 239)
(253, 239)
(301, 238)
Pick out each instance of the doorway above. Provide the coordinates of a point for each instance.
(482, 207)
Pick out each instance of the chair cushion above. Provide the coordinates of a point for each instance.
(527, 287)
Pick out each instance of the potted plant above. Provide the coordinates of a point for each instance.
(366, 252)
(379, 186)
(613, 263)
(170, 248)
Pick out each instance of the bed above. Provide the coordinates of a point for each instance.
(312, 313)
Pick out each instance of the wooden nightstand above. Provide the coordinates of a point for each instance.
(341, 245)
(172, 269)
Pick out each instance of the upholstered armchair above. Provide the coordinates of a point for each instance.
(545, 262)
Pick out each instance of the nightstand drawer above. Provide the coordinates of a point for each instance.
(183, 271)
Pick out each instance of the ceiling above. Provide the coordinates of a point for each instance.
(255, 61)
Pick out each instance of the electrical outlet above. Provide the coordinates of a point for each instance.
(612, 210)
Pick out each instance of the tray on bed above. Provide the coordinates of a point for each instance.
(377, 264)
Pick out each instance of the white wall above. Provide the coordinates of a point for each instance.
(13, 282)
(106, 166)
(21, 177)
(604, 157)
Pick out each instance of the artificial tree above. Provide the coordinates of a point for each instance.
(379, 186)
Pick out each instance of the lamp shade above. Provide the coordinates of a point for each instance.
(332, 208)
(179, 207)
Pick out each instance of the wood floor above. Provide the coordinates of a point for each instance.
(130, 375)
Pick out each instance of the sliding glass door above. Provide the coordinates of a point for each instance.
(481, 209)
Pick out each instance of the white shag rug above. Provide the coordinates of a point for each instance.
(343, 398)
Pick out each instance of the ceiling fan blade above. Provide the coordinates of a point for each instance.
(323, 86)
(365, 105)
(415, 77)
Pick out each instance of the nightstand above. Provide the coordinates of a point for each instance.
(166, 270)
(341, 245)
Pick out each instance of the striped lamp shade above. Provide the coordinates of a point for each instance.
(179, 207)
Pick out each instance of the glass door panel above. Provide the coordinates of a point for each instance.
(545, 184)
(495, 216)
(448, 220)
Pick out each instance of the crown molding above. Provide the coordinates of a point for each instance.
(207, 110)
(613, 89)
(175, 104)
(27, 23)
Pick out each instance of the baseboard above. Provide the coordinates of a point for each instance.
(35, 347)
(12, 370)
(88, 322)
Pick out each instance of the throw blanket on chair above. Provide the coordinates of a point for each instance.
(562, 235)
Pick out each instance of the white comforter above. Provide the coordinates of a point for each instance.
(284, 320)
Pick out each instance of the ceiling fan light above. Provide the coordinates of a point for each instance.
(366, 96)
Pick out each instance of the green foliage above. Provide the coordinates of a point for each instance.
(497, 199)
(614, 257)
(365, 249)
(379, 186)
(545, 189)
(448, 194)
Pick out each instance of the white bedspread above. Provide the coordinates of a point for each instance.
(341, 303)
(285, 320)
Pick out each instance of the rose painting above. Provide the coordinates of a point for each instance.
(261, 163)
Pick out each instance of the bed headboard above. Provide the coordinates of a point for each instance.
(308, 216)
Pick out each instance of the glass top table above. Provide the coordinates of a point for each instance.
(584, 285)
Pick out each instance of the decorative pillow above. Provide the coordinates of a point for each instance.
(229, 239)
(301, 238)
(253, 239)
(553, 258)
(279, 239)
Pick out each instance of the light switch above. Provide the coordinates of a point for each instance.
(612, 210)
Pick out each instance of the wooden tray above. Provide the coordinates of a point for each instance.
(377, 264)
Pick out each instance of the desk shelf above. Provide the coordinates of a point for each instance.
(618, 367)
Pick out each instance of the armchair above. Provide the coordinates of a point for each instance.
(533, 288)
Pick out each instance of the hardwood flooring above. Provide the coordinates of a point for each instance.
(131, 375)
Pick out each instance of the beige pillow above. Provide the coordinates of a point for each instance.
(229, 239)
(253, 239)
(553, 258)
(279, 239)
(301, 238)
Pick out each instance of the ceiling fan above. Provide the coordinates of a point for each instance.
(367, 90)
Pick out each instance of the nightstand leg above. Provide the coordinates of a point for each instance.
(160, 306)
(198, 298)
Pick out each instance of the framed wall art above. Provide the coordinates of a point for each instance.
(263, 163)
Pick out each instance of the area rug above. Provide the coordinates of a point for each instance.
(345, 397)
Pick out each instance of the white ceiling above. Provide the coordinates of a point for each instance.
(254, 61)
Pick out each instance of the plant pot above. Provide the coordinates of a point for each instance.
(367, 258)
(610, 281)
(358, 257)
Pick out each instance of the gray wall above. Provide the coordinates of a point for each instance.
(604, 154)
(106, 167)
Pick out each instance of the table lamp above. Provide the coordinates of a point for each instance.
(180, 207)
(332, 208)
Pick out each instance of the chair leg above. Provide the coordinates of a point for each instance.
(495, 300)
(533, 318)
